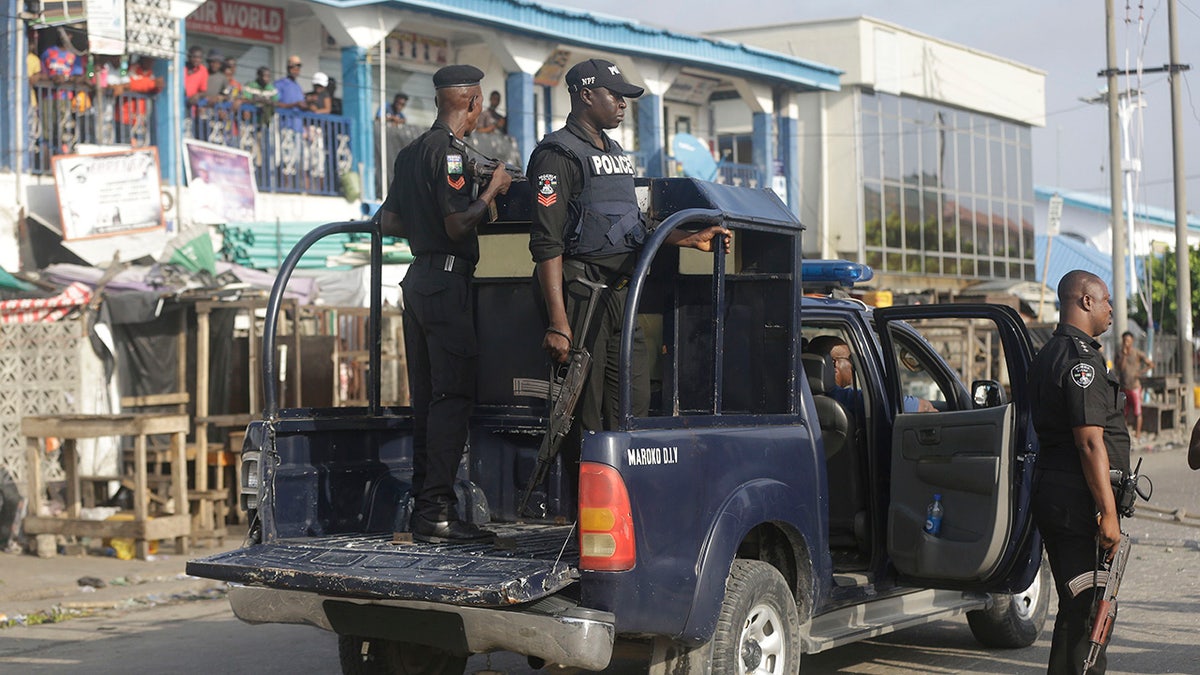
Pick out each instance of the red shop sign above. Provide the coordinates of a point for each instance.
(238, 20)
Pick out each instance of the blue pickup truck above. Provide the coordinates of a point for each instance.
(761, 511)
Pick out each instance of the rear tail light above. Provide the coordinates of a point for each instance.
(248, 490)
(606, 540)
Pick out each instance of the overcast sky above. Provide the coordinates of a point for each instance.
(1064, 38)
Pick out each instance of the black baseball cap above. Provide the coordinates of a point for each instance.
(595, 73)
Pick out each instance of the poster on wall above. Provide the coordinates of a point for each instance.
(109, 193)
(221, 185)
(106, 26)
(551, 72)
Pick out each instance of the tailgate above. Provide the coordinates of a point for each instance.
(531, 561)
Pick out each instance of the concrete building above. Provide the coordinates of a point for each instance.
(921, 164)
(302, 163)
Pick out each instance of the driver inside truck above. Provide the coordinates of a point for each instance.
(835, 349)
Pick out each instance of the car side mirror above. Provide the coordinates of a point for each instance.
(987, 393)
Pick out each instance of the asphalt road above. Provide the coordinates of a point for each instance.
(1155, 631)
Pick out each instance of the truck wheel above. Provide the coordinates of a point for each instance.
(369, 656)
(1015, 620)
(758, 630)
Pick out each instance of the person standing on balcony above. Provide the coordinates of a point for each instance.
(291, 95)
(33, 69)
(195, 76)
(217, 91)
(430, 203)
(319, 99)
(395, 111)
(133, 111)
(262, 93)
(61, 62)
(491, 121)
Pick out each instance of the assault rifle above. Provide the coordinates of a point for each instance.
(566, 384)
(1106, 607)
(1126, 489)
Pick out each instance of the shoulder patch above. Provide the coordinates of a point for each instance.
(1083, 374)
(547, 189)
(454, 164)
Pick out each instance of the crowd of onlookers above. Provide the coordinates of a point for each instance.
(212, 82)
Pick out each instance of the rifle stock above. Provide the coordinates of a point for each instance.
(1106, 607)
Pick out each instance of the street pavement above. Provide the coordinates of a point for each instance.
(151, 616)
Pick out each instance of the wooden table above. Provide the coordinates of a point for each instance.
(142, 529)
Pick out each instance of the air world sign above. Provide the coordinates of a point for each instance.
(238, 20)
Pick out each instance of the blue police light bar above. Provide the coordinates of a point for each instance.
(842, 272)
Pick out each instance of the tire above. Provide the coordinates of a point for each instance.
(758, 630)
(391, 657)
(1015, 620)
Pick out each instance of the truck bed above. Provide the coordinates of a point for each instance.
(527, 562)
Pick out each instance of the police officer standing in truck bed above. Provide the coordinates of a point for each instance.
(1079, 418)
(586, 224)
(430, 203)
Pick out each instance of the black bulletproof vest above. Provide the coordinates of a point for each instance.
(607, 219)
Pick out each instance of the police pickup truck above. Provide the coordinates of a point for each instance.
(760, 511)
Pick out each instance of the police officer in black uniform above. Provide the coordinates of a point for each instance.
(1078, 413)
(586, 224)
(430, 202)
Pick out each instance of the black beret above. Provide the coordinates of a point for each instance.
(457, 76)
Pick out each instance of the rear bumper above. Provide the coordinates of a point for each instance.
(574, 636)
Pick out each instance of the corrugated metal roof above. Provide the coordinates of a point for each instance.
(623, 36)
(1103, 204)
(1069, 254)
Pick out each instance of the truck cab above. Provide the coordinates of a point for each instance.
(762, 510)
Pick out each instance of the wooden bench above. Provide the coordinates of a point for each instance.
(142, 528)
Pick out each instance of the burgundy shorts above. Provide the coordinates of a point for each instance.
(1133, 402)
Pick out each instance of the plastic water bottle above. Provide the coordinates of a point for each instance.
(933, 516)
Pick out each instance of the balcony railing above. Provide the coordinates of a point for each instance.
(62, 117)
(292, 151)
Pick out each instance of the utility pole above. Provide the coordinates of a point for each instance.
(1119, 292)
(1184, 284)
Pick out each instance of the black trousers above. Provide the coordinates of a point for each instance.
(598, 407)
(1066, 517)
(443, 355)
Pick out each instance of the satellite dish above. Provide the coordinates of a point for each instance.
(694, 156)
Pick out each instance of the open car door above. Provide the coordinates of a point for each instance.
(975, 448)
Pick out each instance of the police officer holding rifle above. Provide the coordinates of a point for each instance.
(586, 233)
(1078, 416)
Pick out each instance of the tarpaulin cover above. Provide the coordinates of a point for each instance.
(45, 309)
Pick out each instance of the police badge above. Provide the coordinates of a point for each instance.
(547, 189)
(1083, 374)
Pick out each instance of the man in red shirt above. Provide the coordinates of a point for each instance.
(141, 81)
(195, 76)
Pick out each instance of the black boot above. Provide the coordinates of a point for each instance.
(447, 531)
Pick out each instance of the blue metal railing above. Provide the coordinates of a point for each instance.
(293, 152)
(60, 117)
